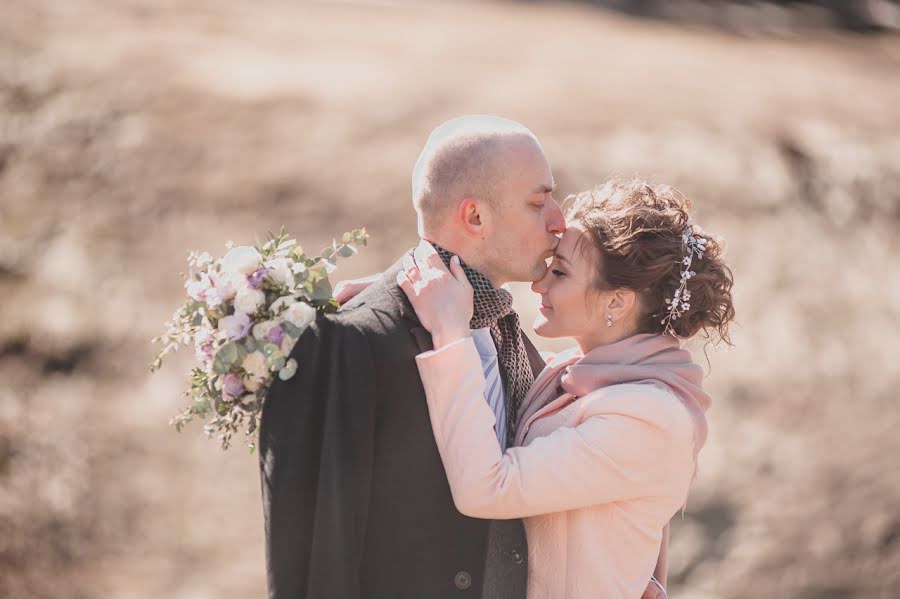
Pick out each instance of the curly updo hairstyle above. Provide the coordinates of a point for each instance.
(638, 228)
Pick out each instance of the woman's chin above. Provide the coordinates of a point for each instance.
(543, 327)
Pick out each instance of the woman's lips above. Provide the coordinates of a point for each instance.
(544, 309)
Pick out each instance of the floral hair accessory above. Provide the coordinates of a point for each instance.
(694, 246)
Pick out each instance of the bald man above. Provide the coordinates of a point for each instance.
(356, 501)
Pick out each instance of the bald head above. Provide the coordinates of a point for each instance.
(466, 157)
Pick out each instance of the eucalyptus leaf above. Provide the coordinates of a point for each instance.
(220, 366)
(229, 352)
(321, 290)
(290, 368)
(242, 353)
(275, 362)
(290, 329)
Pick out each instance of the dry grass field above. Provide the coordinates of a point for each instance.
(134, 130)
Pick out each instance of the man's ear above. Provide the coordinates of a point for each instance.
(470, 217)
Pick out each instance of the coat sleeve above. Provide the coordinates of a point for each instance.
(639, 448)
(316, 451)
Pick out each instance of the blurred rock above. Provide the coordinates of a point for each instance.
(132, 133)
(778, 17)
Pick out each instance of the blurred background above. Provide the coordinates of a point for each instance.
(132, 131)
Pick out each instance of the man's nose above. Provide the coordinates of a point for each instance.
(556, 223)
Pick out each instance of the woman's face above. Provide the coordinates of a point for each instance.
(570, 306)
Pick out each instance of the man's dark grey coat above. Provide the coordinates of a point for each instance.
(355, 498)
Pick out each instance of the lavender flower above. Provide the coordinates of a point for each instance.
(235, 326)
(232, 387)
(255, 279)
(276, 334)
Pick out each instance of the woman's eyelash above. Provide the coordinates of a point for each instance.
(557, 272)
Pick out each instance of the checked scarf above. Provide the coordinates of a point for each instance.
(493, 308)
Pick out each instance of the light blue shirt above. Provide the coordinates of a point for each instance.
(494, 393)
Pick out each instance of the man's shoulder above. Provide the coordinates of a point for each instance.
(378, 310)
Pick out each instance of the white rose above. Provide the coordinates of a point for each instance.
(278, 306)
(300, 314)
(287, 344)
(227, 285)
(257, 371)
(243, 259)
(249, 300)
(281, 272)
(261, 330)
(236, 280)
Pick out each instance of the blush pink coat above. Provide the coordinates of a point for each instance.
(595, 478)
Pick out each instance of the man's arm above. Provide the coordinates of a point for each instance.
(315, 447)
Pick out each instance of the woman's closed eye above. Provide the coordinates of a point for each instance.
(557, 273)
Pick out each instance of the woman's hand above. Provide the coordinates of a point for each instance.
(441, 298)
(654, 590)
(345, 291)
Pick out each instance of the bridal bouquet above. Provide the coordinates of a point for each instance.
(244, 313)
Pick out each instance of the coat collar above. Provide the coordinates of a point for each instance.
(421, 337)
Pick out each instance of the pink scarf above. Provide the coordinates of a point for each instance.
(643, 358)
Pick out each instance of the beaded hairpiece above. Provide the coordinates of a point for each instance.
(694, 246)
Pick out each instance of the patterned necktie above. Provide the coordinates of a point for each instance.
(493, 308)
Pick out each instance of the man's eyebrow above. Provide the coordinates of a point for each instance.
(544, 188)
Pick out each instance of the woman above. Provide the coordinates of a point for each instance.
(607, 438)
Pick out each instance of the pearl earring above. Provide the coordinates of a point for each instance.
(609, 320)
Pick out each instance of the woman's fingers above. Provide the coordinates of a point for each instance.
(457, 271)
(345, 291)
(405, 284)
(412, 271)
(654, 590)
(425, 268)
(342, 292)
(428, 258)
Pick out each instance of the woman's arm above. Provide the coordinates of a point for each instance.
(661, 572)
(642, 448)
(608, 457)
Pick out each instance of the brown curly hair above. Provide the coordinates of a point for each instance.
(637, 228)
